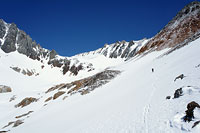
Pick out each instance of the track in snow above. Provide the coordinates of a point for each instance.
(147, 107)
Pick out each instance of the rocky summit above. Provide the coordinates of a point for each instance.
(183, 28)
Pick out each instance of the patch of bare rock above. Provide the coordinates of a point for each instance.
(26, 101)
(4, 89)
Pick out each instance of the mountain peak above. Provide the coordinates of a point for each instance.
(120, 49)
(185, 26)
(186, 11)
(193, 4)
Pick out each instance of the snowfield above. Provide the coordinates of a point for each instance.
(134, 101)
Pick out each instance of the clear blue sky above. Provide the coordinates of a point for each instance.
(75, 26)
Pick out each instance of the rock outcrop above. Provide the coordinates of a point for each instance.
(25, 71)
(190, 111)
(86, 85)
(178, 93)
(183, 28)
(14, 123)
(195, 124)
(53, 54)
(20, 116)
(26, 101)
(17, 123)
(2, 29)
(120, 49)
(179, 77)
(15, 39)
(10, 39)
(4, 89)
(58, 94)
(67, 66)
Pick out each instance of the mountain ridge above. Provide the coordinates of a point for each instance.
(13, 39)
(186, 24)
(106, 90)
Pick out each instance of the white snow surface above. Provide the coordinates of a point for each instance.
(133, 102)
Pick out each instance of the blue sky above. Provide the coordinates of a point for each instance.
(75, 26)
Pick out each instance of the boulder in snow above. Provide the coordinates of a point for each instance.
(58, 94)
(178, 93)
(4, 89)
(190, 111)
(179, 77)
(26, 101)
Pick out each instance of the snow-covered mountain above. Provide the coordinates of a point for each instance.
(181, 30)
(120, 49)
(13, 39)
(136, 86)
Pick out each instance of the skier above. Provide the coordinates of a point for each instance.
(152, 70)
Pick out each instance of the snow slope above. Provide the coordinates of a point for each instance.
(135, 101)
(46, 76)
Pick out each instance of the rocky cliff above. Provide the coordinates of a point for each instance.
(183, 28)
(13, 39)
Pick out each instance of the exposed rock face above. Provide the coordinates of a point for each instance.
(120, 49)
(12, 98)
(84, 86)
(10, 39)
(3, 131)
(24, 114)
(16, 39)
(48, 99)
(100, 79)
(190, 111)
(195, 124)
(66, 66)
(53, 54)
(179, 77)
(178, 93)
(2, 28)
(10, 123)
(55, 87)
(17, 69)
(58, 94)
(179, 31)
(4, 89)
(56, 62)
(25, 71)
(127, 53)
(17, 123)
(26, 102)
(28, 47)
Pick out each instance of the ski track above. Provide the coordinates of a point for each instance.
(147, 107)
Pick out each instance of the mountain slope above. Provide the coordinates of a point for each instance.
(183, 28)
(135, 101)
(13, 39)
(122, 87)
